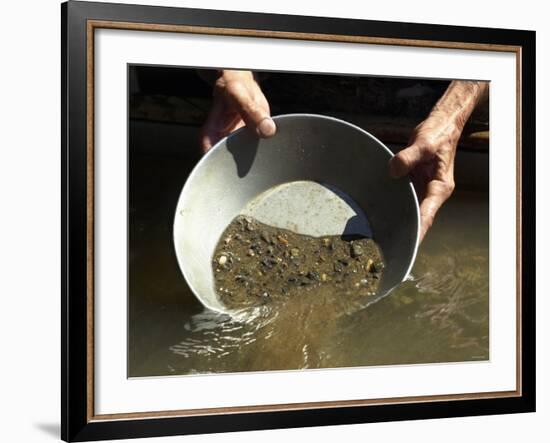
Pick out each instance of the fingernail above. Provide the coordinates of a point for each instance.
(266, 128)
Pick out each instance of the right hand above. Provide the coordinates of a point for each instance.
(429, 161)
(238, 101)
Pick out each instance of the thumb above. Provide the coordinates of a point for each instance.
(404, 161)
(255, 113)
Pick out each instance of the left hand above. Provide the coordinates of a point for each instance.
(238, 101)
(429, 160)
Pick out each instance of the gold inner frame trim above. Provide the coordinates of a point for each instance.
(95, 24)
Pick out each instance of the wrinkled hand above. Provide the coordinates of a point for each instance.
(429, 161)
(238, 101)
(429, 158)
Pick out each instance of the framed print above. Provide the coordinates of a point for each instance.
(277, 221)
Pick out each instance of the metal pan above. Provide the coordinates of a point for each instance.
(317, 176)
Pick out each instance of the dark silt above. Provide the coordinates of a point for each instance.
(255, 264)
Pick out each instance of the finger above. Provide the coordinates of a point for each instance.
(209, 135)
(437, 192)
(404, 161)
(218, 124)
(253, 110)
(205, 142)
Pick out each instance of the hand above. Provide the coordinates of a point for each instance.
(238, 101)
(429, 160)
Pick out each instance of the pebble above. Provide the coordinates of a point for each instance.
(369, 265)
(312, 275)
(356, 250)
(283, 240)
(294, 252)
(222, 260)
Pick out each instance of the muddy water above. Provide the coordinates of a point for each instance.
(439, 315)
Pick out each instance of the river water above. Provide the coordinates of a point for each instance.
(440, 314)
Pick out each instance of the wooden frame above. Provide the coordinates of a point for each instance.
(79, 21)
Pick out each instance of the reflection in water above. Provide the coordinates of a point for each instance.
(457, 297)
(440, 314)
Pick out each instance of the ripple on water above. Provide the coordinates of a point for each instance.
(441, 307)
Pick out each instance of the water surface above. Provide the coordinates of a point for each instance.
(441, 314)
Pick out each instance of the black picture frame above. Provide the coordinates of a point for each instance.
(76, 422)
